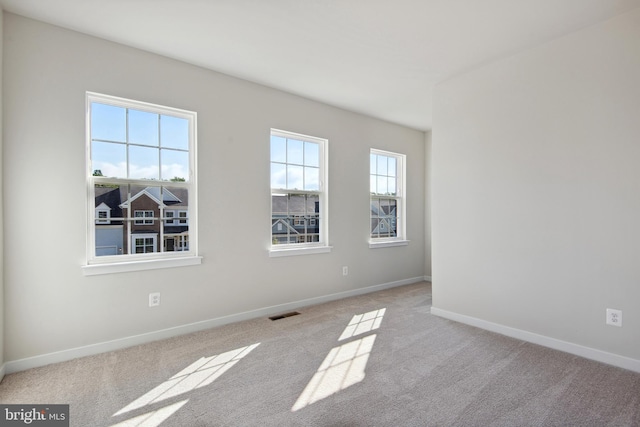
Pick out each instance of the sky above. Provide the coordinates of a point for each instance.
(156, 147)
(295, 164)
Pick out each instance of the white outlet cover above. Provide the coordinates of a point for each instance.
(614, 317)
(154, 299)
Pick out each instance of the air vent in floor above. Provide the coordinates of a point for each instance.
(282, 316)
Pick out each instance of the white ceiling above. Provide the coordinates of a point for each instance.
(377, 57)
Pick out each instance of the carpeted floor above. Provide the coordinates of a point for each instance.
(375, 360)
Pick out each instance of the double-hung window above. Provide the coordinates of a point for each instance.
(298, 194)
(141, 171)
(387, 198)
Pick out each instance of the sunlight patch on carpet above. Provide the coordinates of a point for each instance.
(345, 365)
(154, 418)
(363, 323)
(199, 374)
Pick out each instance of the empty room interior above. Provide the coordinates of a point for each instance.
(448, 193)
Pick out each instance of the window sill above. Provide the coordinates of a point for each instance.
(153, 264)
(308, 250)
(388, 244)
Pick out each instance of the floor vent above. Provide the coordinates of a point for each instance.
(282, 316)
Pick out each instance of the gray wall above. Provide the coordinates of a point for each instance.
(50, 306)
(536, 189)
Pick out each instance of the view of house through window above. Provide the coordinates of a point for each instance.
(387, 198)
(298, 193)
(140, 177)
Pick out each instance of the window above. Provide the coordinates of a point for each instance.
(183, 215)
(169, 215)
(103, 213)
(387, 201)
(147, 215)
(298, 194)
(140, 173)
(143, 244)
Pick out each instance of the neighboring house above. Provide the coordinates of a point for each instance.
(383, 220)
(109, 232)
(158, 220)
(295, 219)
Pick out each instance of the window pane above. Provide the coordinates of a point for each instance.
(388, 207)
(375, 208)
(143, 128)
(174, 132)
(109, 159)
(391, 186)
(382, 165)
(313, 205)
(382, 185)
(297, 204)
(278, 149)
(391, 166)
(278, 175)
(279, 206)
(295, 177)
(373, 164)
(108, 122)
(311, 154)
(109, 234)
(175, 165)
(311, 179)
(295, 153)
(279, 220)
(176, 228)
(374, 227)
(372, 184)
(143, 163)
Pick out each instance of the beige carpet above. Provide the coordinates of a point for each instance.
(375, 360)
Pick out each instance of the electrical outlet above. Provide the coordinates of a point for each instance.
(345, 270)
(154, 299)
(614, 317)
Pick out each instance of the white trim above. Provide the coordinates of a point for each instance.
(567, 347)
(88, 350)
(387, 243)
(140, 265)
(427, 279)
(303, 250)
(3, 371)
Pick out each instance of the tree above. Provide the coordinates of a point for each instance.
(97, 172)
(177, 179)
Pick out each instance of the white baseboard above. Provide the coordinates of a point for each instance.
(576, 349)
(73, 353)
(427, 279)
(3, 370)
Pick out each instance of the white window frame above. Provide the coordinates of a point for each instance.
(401, 202)
(135, 262)
(322, 246)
